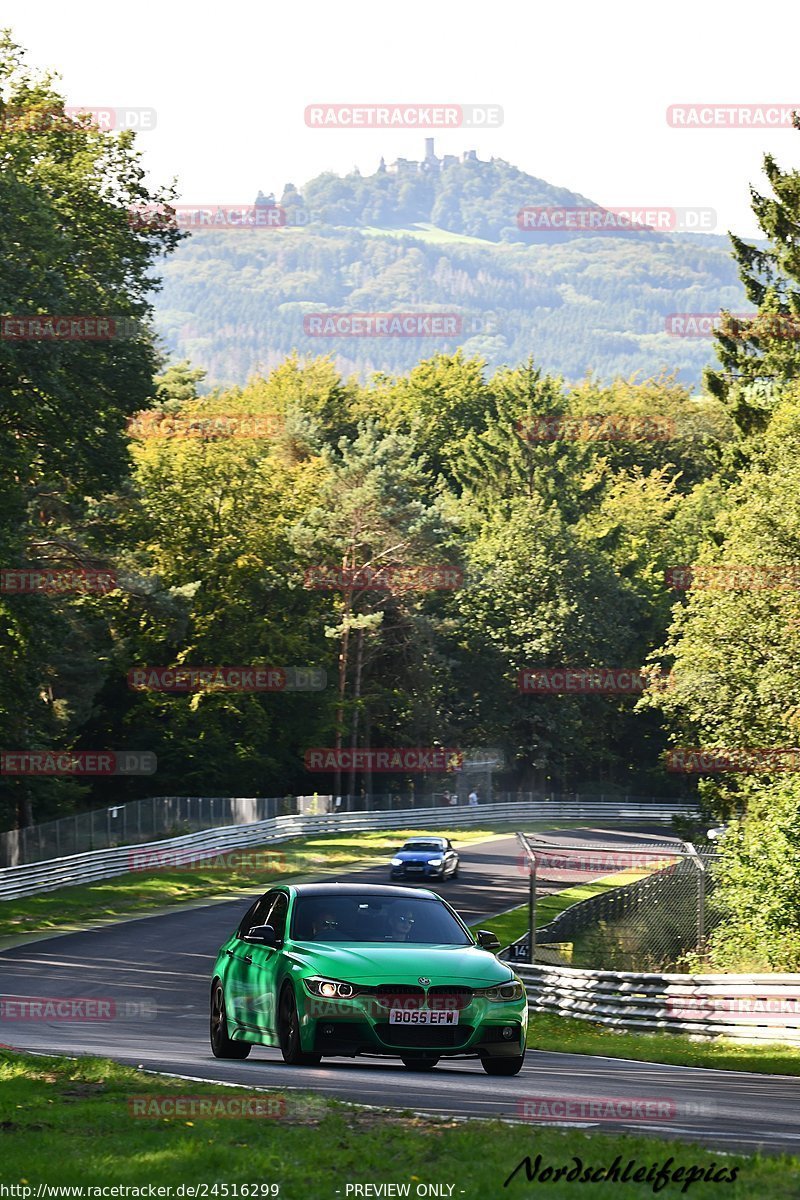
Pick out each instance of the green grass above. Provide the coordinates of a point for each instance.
(547, 1031)
(513, 924)
(141, 891)
(70, 1122)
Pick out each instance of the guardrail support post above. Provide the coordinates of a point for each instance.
(700, 867)
(532, 911)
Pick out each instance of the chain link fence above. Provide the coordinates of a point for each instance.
(651, 924)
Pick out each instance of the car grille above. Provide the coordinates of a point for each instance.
(449, 998)
(400, 995)
(440, 997)
(424, 1035)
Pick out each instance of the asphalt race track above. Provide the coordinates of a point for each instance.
(157, 972)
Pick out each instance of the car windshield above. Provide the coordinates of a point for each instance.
(384, 919)
(423, 846)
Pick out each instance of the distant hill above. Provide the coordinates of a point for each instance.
(442, 236)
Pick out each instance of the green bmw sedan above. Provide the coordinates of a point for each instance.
(331, 969)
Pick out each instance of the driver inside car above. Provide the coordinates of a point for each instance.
(324, 925)
(401, 924)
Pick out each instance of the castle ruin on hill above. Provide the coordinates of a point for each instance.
(430, 163)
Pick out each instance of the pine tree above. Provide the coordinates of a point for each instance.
(759, 355)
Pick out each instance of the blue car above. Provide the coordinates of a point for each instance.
(425, 858)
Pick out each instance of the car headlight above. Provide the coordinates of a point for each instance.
(513, 990)
(330, 989)
(435, 862)
(397, 862)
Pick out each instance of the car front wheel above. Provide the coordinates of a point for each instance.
(503, 1066)
(289, 1033)
(221, 1045)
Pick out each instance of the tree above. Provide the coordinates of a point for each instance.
(69, 249)
(371, 520)
(760, 355)
(758, 884)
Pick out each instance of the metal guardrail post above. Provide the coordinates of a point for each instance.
(700, 867)
(532, 910)
(521, 837)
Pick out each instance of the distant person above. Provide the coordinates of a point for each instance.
(473, 798)
(454, 797)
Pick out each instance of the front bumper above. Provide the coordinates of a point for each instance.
(416, 871)
(360, 1026)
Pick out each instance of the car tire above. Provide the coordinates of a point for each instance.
(289, 1032)
(420, 1064)
(503, 1066)
(221, 1045)
(455, 874)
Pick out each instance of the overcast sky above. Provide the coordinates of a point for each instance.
(584, 88)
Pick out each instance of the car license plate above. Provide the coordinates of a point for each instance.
(422, 1016)
(415, 867)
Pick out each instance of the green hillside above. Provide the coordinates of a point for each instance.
(439, 236)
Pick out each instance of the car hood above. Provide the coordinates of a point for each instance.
(365, 962)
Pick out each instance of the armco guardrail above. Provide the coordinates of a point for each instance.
(754, 1008)
(30, 878)
(158, 817)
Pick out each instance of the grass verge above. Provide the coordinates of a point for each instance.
(73, 1122)
(547, 1031)
(513, 924)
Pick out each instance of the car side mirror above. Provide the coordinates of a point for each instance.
(489, 940)
(263, 935)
